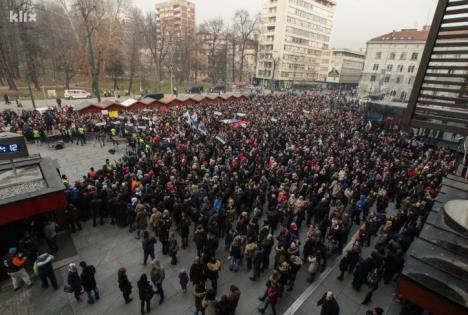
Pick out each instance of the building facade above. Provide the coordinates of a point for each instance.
(293, 37)
(175, 22)
(391, 64)
(176, 18)
(345, 68)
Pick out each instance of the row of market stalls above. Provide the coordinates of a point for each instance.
(149, 103)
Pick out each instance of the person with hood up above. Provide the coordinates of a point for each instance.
(89, 282)
(43, 267)
(145, 291)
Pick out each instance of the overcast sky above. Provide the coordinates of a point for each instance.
(356, 21)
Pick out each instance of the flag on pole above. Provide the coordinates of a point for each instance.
(187, 117)
(201, 128)
(194, 119)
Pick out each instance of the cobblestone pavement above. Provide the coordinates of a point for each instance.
(108, 247)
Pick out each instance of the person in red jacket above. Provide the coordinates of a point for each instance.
(273, 294)
(14, 264)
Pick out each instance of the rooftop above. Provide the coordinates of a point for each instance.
(407, 35)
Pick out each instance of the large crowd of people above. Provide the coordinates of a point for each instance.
(280, 182)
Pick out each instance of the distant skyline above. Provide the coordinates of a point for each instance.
(356, 21)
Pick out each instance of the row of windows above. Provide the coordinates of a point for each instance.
(398, 80)
(411, 68)
(311, 35)
(302, 50)
(302, 3)
(310, 26)
(303, 59)
(393, 55)
(300, 41)
(309, 16)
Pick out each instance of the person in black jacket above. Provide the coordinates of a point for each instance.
(124, 285)
(89, 282)
(74, 281)
(148, 243)
(197, 271)
(145, 291)
(329, 304)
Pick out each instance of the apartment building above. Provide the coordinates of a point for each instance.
(293, 37)
(176, 18)
(391, 64)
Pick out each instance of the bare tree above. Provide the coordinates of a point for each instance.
(91, 13)
(157, 42)
(213, 35)
(245, 27)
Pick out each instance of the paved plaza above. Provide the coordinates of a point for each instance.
(108, 248)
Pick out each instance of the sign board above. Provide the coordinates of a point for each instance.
(51, 93)
(105, 112)
(114, 114)
(12, 146)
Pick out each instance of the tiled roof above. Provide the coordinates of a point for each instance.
(403, 35)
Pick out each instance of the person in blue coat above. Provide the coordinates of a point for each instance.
(74, 281)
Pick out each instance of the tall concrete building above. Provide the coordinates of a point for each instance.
(345, 68)
(176, 18)
(391, 64)
(293, 37)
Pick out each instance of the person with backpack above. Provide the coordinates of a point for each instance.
(89, 282)
(157, 275)
(14, 264)
(43, 267)
(372, 280)
(147, 244)
(145, 291)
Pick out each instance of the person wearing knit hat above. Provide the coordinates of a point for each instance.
(14, 264)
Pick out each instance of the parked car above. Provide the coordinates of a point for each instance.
(196, 89)
(76, 94)
(218, 88)
(156, 96)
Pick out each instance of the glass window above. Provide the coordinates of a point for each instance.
(376, 67)
(403, 56)
(372, 78)
(414, 56)
(378, 55)
(389, 68)
(392, 56)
